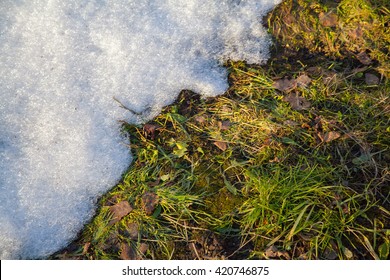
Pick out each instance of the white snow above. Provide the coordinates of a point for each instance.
(62, 64)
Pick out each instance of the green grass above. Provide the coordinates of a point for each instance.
(260, 172)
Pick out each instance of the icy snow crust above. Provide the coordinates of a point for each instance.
(62, 65)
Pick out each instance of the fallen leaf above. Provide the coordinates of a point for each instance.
(330, 254)
(225, 125)
(221, 145)
(274, 252)
(329, 136)
(303, 81)
(112, 242)
(356, 33)
(200, 119)
(303, 256)
(127, 252)
(132, 231)
(271, 251)
(332, 135)
(314, 70)
(149, 202)
(297, 102)
(371, 79)
(226, 109)
(143, 248)
(285, 84)
(150, 130)
(288, 18)
(364, 58)
(329, 19)
(119, 210)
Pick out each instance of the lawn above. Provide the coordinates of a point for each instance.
(292, 162)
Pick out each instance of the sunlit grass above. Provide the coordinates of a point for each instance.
(250, 172)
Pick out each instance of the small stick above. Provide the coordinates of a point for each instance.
(127, 108)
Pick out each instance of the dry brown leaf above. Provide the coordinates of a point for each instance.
(330, 254)
(132, 231)
(149, 202)
(288, 18)
(356, 33)
(314, 70)
(225, 125)
(328, 19)
(371, 79)
(150, 130)
(127, 252)
(303, 81)
(297, 102)
(329, 136)
(221, 145)
(274, 252)
(200, 119)
(364, 58)
(119, 210)
(285, 84)
(112, 242)
(303, 256)
(143, 248)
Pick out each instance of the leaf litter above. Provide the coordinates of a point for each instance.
(297, 102)
(119, 210)
(329, 19)
(150, 201)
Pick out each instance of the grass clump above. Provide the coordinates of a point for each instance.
(291, 163)
(338, 29)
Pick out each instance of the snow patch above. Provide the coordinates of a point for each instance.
(65, 68)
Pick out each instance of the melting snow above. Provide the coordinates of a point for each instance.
(66, 66)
